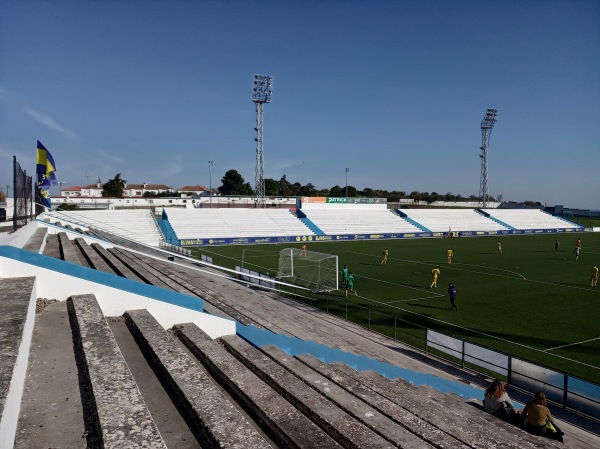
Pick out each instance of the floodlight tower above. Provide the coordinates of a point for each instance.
(487, 124)
(262, 90)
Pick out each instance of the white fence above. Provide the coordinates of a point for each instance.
(569, 391)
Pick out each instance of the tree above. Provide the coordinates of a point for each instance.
(336, 191)
(114, 188)
(233, 184)
(67, 206)
(271, 187)
(285, 188)
(308, 190)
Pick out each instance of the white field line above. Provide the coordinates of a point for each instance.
(397, 285)
(452, 267)
(521, 278)
(482, 333)
(571, 344)
(415, 299)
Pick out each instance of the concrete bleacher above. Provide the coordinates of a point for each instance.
(530, 219)
(356, 220)
(225, 392)
(122, 417)
(135, 225)
(455, 220)
(230, 223)
(16, 322)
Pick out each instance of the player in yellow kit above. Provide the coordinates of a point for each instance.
(450, 256)
(303, 251)
(435, 272)
(594, 275)
(499, 250)
(384, 257)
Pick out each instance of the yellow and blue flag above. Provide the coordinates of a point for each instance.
(45, 168)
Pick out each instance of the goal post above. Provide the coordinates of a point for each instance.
(316, 271)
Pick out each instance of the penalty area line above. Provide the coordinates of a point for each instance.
(412, 299)
(571, 344)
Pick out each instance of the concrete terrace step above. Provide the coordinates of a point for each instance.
(134, 265)
(115, 264)
(362, 410)
(405, 418)
(68, 253)
(15, 312)
(472, 410)
(196, 283)
(154, 269)
(92, 257)
(346, 430)
(286, 425)
(52, 248)
(55, 404)
(37, 241)
(478, 429)
(122, 416)
(214, 413)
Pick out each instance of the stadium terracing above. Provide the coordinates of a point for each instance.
(135, 346)
(311, 222)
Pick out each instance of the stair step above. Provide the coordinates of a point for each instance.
(123, 418)
(222, 422)
(280, 419)
(347, 431)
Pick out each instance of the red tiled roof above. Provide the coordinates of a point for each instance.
(193, 189)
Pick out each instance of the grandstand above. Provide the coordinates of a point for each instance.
(343, 219)
(455, 220)
(230, 223)
(524, 219)
(351, 220)
(135, 225)
(149, 352)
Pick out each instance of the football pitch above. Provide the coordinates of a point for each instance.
(531, 301)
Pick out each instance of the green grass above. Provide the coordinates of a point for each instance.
(530, 302)
(587, 222)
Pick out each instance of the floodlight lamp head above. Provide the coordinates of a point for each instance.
(262, 88)
(489, 119)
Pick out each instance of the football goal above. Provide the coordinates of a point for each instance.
(316, 271)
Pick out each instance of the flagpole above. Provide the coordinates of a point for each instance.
(14, 195)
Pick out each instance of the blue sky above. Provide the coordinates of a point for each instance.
(393, 90)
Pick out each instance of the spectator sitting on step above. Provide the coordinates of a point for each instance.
(537, 417)
(497, 402)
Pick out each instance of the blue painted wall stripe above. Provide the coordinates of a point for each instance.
(293, 346)
(100, 277)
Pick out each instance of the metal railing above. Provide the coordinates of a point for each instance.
(564, 389)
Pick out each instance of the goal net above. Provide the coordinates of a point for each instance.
(315, 271)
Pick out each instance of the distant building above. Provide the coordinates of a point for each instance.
(139, 190)
(130, 191)
(193, 191)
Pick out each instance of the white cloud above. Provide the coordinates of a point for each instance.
(110, 157)
(47, 120)
(16, 100)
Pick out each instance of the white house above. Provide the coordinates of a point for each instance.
(130, 191)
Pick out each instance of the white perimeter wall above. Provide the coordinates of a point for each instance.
(113, 302)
